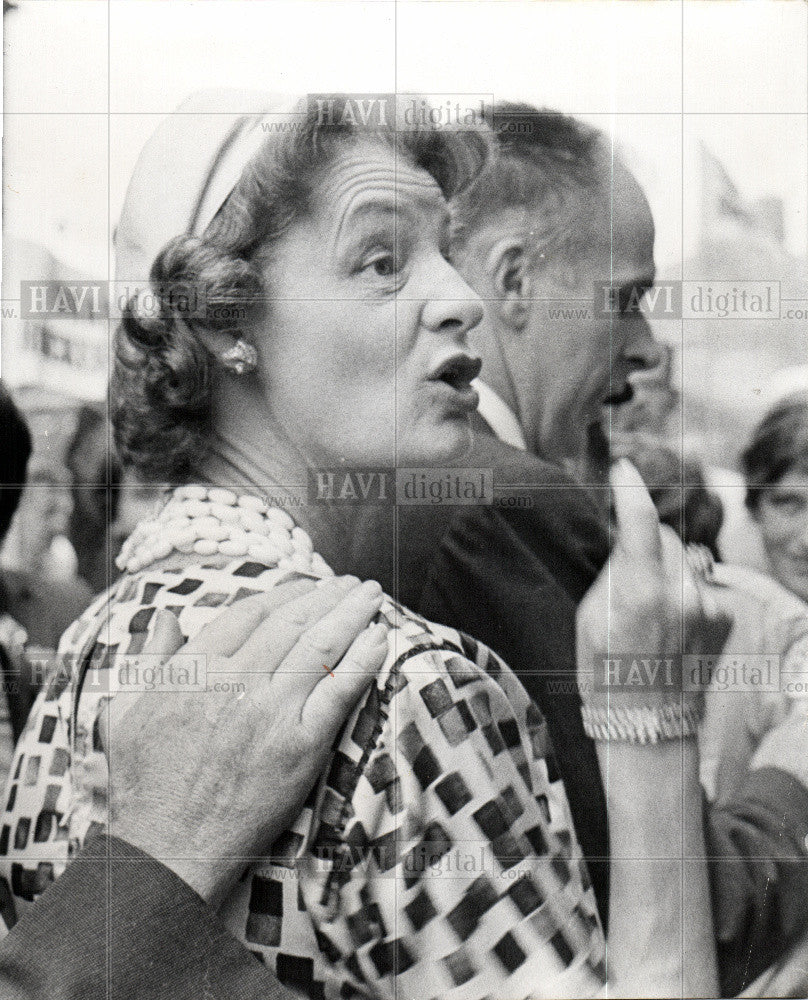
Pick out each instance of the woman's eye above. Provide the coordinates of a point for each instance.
(385, 266)
(382, 264)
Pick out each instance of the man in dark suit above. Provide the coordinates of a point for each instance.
(552, 216)
(557, 238)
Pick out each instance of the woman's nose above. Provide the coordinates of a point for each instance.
(453, 306)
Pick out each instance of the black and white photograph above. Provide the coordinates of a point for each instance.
(404, 501)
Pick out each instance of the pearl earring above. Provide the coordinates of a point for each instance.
(241, 358)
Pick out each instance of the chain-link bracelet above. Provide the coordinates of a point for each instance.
(642, 724)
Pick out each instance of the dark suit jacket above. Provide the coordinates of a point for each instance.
(510, 575)
(118, 925)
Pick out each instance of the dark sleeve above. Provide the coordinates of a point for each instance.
(118, 925)
(759, 874)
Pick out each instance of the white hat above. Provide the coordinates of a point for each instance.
(187, 169)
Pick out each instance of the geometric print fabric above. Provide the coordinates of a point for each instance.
(435, 858)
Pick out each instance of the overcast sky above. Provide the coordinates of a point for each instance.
(87, 81)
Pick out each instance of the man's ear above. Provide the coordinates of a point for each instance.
(510, 280)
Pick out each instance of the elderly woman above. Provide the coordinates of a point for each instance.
(437, 857)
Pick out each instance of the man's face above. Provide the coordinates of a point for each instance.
(571, 355)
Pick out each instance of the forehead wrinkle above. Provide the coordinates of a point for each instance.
(376, 164)
(376, 171)
(381, 191)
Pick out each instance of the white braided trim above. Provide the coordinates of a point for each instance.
(209, 520)
(643, 724)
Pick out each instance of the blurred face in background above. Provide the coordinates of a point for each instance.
(43, 515)
(782, 515)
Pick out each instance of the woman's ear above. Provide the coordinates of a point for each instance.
(233, 353)
(510, 278)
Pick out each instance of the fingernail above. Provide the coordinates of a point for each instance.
(369, 590)
(164, 625)
(376, 635)
(624, 469)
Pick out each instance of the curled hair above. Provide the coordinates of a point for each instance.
(779, 445)
(161, 383)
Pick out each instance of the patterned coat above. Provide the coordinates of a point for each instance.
(435, 858)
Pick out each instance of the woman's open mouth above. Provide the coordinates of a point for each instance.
(457, 372)
(624, 395)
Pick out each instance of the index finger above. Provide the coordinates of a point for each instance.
(638, 534)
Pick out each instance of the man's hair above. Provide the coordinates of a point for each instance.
(545, 159)
(15, 450)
